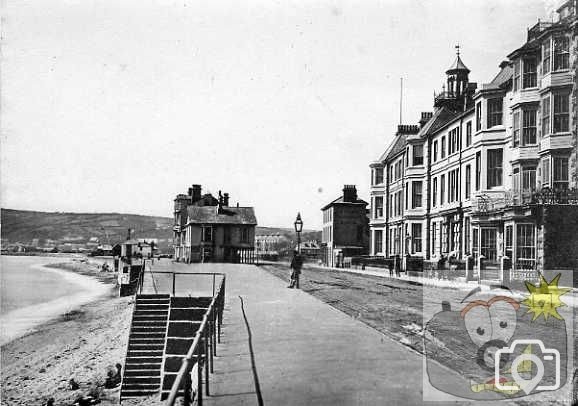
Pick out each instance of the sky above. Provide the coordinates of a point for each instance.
(117, 106)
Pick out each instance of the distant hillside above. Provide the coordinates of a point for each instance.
(28, 227)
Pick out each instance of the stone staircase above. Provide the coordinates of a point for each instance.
(185, 319)
(146, 346)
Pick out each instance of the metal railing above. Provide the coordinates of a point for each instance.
(173, 279)
(201, 352)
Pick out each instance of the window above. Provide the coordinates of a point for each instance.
(545, 116)
(434, 192)
(546, 172)
(561, 113)
(488, 246)
(443, 147)
(494, 168)
(406, 195)
(509, 243)
(467, 235)
(417, 155)
(453, 141)
(528, 127)
(406, 157)
(528, 179)
(453, 186)
(468, 180)
(468, 133)
(516, 80)
(416, 237)
(377, 241)
(378, 176)
(525, 247)
(561, 53)
(560, 173)
(442, 189)
(494, 112)
(475, 242)
(433, 237)
(207, 234)
(378, 207)
(478, 116)
(478, 169)
(400, 203)
(546, 57)
(435, 151)
(390, 205)
(516, 179)
(416, 196)
(244, 235)
(529, 78)
(516, 128)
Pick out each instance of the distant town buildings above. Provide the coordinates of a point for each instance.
(208, 229)
(492, 172)
(345, 228)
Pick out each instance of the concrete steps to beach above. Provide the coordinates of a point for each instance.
(146, 345)
(186, 315)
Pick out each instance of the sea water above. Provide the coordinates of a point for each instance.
(31, 294)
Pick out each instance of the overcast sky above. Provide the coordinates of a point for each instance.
(117, 106)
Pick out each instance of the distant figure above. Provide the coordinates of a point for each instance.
(441, 262)
(296, 264)
(390, 266)
(397, 265)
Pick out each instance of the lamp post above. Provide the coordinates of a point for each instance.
(298, 228)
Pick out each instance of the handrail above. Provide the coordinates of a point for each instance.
(216, 304)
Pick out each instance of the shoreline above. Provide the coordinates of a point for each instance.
(22, 321)
(81, 344)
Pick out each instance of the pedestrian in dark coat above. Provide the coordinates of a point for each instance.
(397, 265)
(296, 264)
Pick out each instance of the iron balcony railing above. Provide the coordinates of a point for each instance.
(487, 203)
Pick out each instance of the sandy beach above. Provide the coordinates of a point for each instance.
(81, 344)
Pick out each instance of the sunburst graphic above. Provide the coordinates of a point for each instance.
(544, 298)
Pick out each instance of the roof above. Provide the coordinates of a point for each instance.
(458, 65)
(340, 200)
(227, 215)
(441, 117)
(394, 148)
(501, 78)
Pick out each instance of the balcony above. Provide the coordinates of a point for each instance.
(489, 203)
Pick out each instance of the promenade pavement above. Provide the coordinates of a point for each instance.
(305, 351)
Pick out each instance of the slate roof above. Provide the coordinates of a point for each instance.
(441, 117)
(339, 200)
(458, 65)
(501, 78)
(228, 215)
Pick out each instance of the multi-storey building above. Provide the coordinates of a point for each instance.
(493, 171)
(345, 228)
(208, 229)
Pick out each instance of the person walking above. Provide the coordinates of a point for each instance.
(296, 264)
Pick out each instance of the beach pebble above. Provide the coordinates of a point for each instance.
(42, 370)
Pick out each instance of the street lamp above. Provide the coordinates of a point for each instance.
(298, 228)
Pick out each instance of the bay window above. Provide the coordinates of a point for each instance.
(546, 57)
(378, 213)
(528, 127)
(495, 112)
(560, 173)
(525, 246)
(545, 116)
(561, 112)
(416, 237)
(529, 78)
(516, 128)
(561, 53)
(494, 167)
(417, 155)
(416, 196)
(528, 179)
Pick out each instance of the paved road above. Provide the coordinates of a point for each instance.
(305, 351)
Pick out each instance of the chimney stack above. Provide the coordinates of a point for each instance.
(349, 193)
(226, 200)
(425, 117)
(196, 193)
